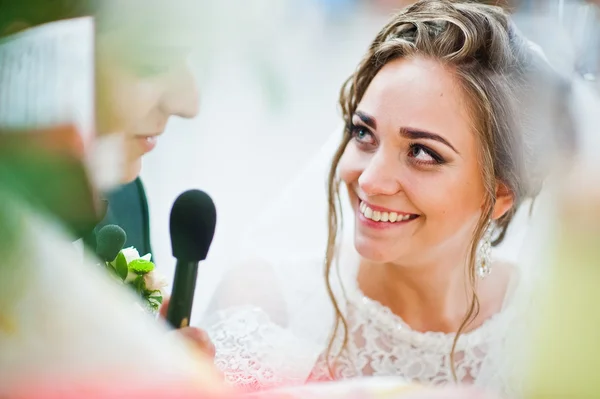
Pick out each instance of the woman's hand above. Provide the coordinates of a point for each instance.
(196, 336)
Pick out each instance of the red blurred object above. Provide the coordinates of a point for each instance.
(109, 389)
(63, 140)
(47, 167)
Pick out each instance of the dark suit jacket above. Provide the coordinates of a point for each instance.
(128, 208)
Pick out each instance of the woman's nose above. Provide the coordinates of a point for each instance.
(380, 176)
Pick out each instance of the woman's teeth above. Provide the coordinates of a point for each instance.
(378, 216)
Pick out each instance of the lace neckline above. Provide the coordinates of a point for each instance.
(383, 316)
(390, 321)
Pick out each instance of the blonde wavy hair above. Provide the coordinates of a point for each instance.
(497, 71)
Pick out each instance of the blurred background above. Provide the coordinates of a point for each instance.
(269, 75)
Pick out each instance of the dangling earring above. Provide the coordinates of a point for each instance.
(484, 252)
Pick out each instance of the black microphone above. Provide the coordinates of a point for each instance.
(109, 242)
(192, 226)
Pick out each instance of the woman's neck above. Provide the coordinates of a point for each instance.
(434, 298)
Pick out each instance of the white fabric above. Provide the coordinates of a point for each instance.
(382, 344)
(47, 77)
(259, 349)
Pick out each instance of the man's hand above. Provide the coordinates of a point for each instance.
(198, 337)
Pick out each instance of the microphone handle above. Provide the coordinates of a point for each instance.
(182, 296)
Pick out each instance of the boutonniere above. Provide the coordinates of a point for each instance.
(139, 273)
(131, 269)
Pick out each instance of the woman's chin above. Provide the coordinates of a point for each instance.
(373, 251)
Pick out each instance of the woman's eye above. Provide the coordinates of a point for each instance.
(362, 135)
(424, 155)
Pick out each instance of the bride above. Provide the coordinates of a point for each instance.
(443, 144)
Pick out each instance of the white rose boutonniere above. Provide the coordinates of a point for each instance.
(139, 273)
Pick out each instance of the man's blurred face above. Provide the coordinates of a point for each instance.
(142, 48)
(142, 80)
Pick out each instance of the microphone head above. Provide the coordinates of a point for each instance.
(109, 241)
(192, 225)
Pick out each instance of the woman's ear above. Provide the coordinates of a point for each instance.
(504, 201)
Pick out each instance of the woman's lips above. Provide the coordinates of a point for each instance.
(382, 219)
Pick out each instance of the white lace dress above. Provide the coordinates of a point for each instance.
(260, 347)
(380, 343)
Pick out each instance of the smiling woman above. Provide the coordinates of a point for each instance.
(396, 162)
(448, 119)
(435, 134)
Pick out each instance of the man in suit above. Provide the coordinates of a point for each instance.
(127, 207)
(142, 80)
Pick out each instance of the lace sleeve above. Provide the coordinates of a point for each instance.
(249, 325)
(254, 353)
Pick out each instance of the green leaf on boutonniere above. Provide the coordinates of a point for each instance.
(139, 284)
(141, 266)
(121, 266)
(155, 300)
(158, 298)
